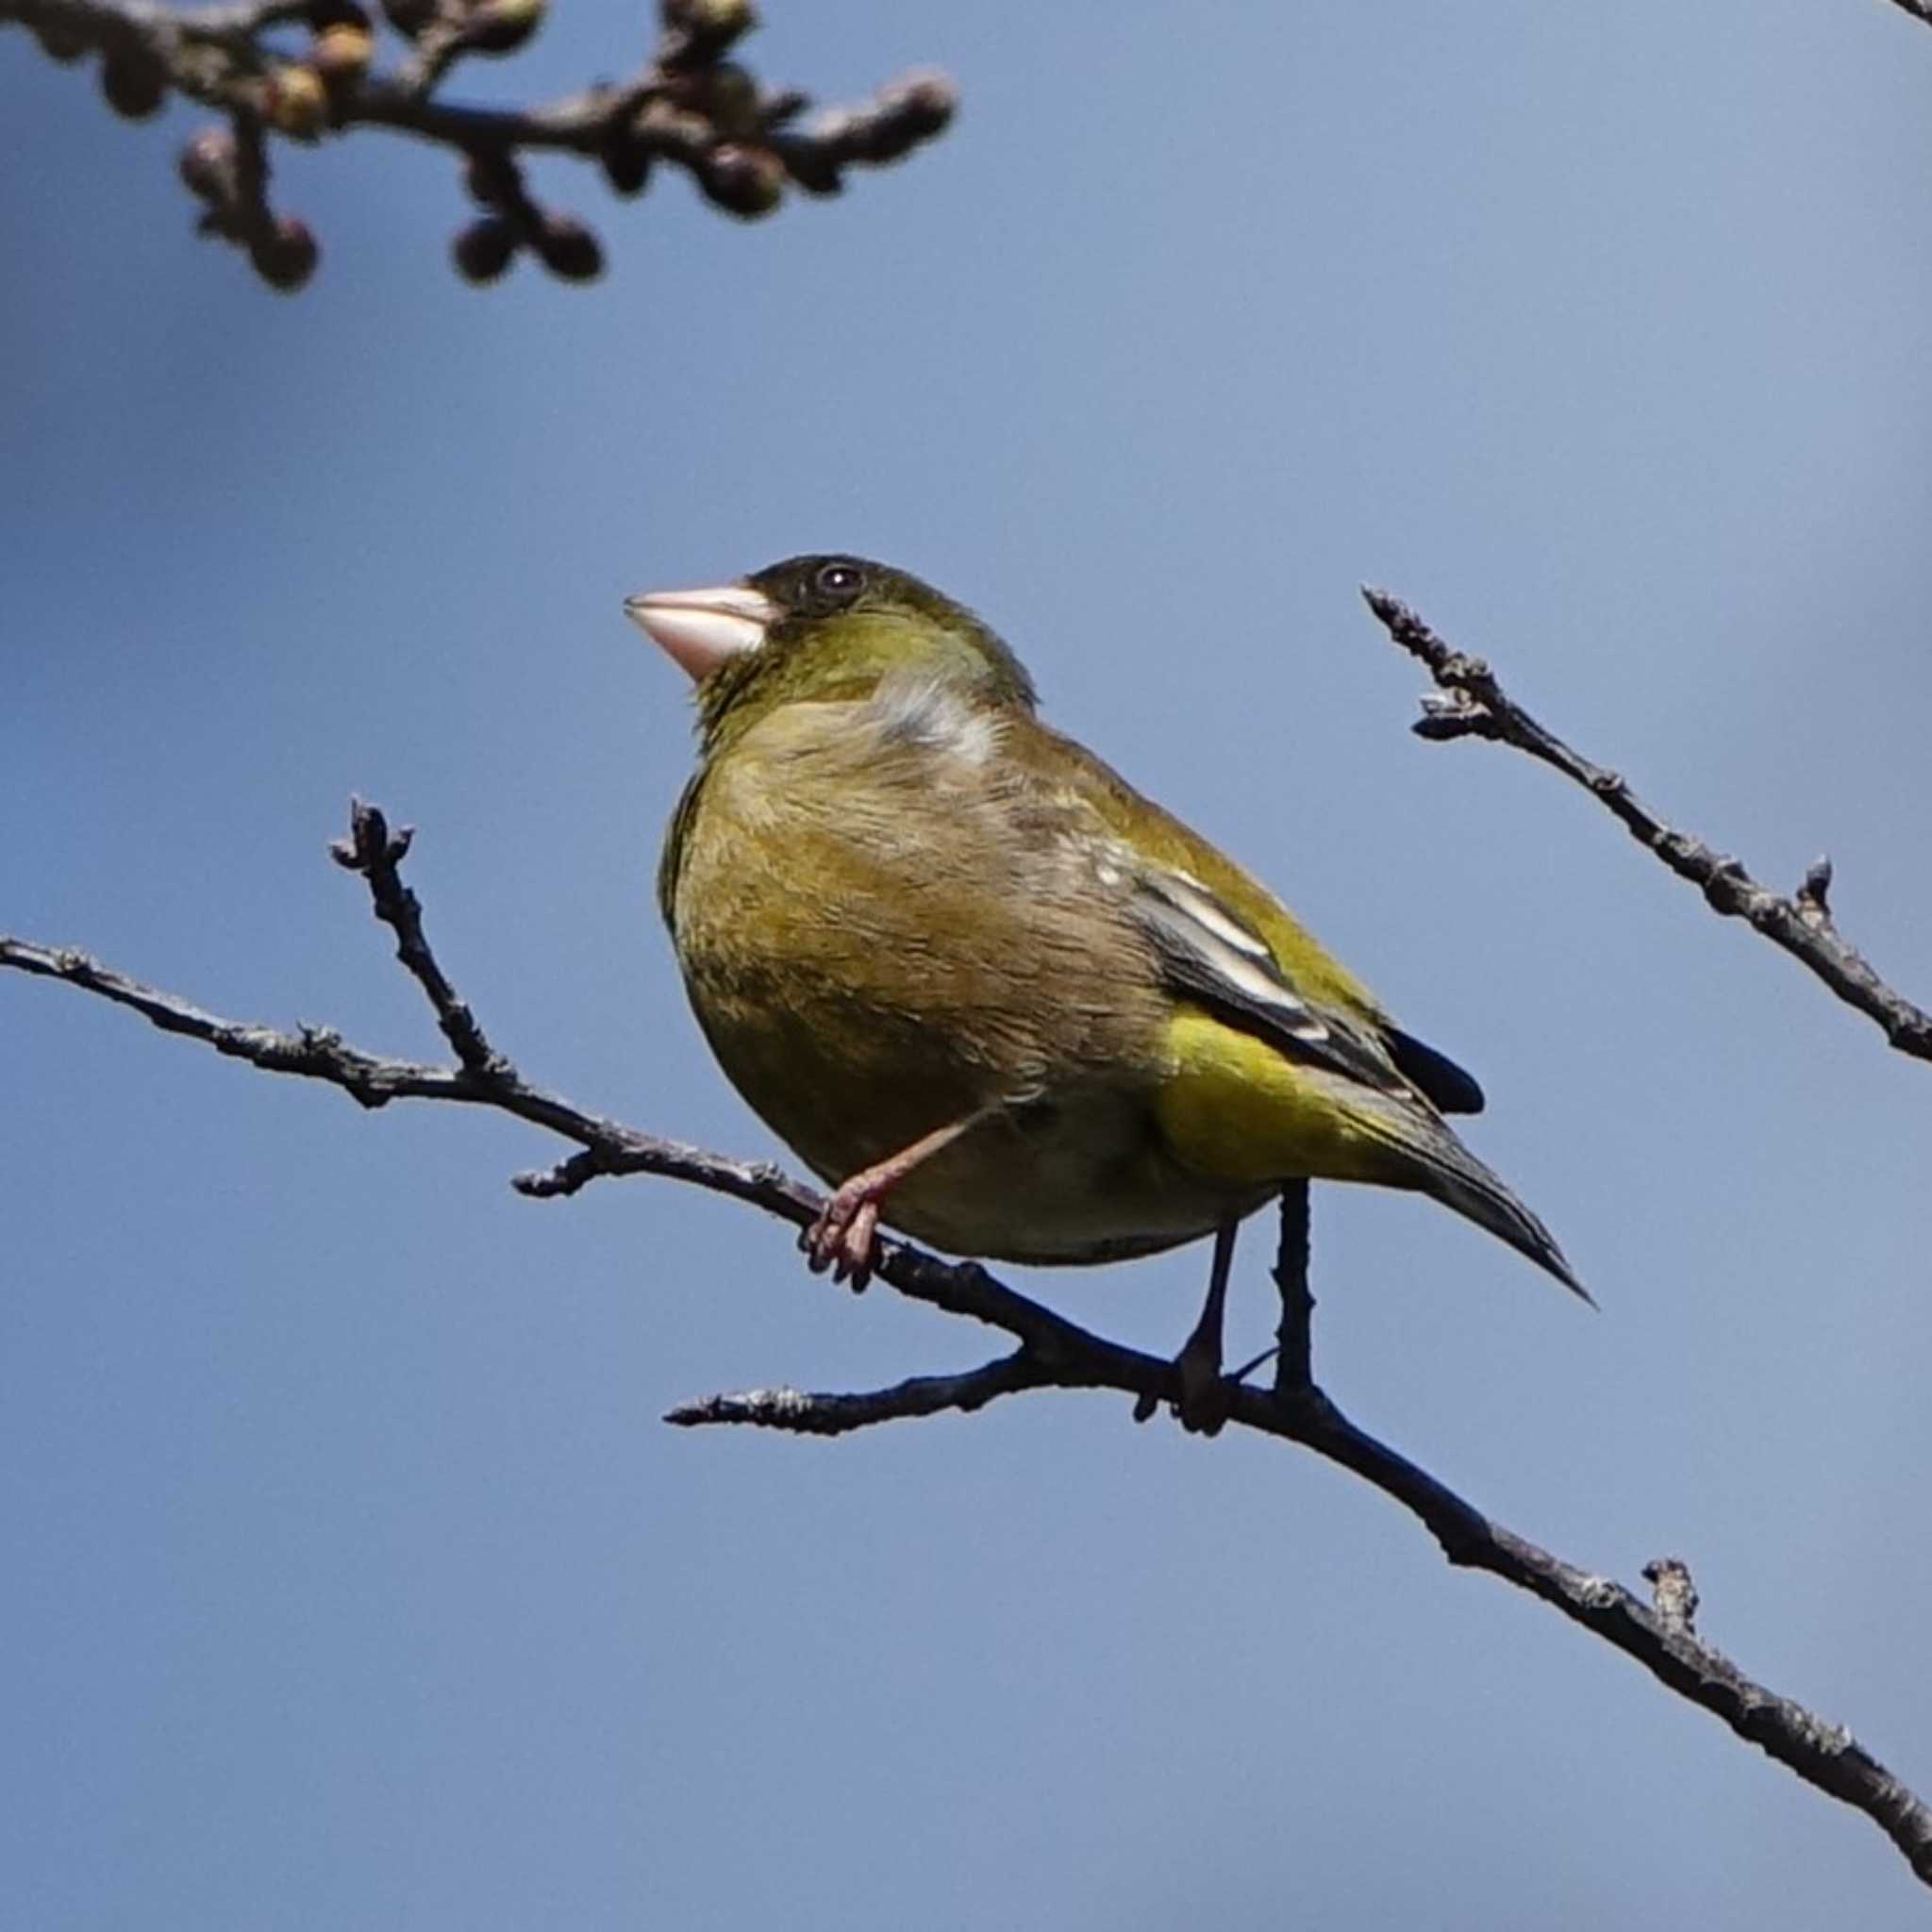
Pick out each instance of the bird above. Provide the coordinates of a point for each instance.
(992, 995)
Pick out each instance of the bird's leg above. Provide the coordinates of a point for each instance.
(1203, 1406)
(842, 1238)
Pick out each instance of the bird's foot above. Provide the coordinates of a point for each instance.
(1206, 1395)
(844, 1237)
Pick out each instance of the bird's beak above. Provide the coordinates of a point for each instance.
(699, 629)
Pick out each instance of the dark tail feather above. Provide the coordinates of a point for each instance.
(1449, 1086)
(1442, 1166)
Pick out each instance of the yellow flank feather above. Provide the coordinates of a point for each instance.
(1236, 1111)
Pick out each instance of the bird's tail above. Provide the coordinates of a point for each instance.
(1438, 1164)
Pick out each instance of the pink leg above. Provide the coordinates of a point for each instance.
(844, 1236)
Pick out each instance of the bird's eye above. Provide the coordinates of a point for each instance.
(839, 579)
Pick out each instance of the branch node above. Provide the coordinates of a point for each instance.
(1452, 713)
(1814, 898)
(567, 1177)
(1673, 1593)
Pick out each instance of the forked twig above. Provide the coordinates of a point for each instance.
(1475, 705)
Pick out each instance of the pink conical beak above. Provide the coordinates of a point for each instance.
(699, 629)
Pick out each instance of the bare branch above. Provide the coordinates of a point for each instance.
(378, 854)
(1053, 1352)
(375, 1080)
(313, 1052)
(1475, 705)
(686, 105)
(836, 1415)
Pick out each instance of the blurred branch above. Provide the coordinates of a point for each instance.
(1919, 10)
(308, 70)
(1475, 705)
(1053, 1353)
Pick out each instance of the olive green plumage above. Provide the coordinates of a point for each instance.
(899, 900)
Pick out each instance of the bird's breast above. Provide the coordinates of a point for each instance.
(880, 946)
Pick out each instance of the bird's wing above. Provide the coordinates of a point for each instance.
(1311, 1005)
(1209, 955)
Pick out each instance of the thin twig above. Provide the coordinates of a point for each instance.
(376, 852)
(805, 1414)
(313, 1052)
(1295, 1361)
(1476, 706)
(1052, 1351)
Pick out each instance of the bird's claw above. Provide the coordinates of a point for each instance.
(844, 1237)
(1205, 1396)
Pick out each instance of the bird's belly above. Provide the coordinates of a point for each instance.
(1083, 1175)
(1085, 1178)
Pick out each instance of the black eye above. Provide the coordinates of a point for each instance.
(838, 580)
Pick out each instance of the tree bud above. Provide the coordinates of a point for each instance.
(294, 102)
(60, 41)
(500, 27)
(408, 17)
(484, 249)
(710, 26)
(568, 249)
(285, 257)
(749, 181)
(342, 53)
(626, 166)
(207, 164)
(134, 85)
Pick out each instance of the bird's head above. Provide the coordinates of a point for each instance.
(819, 627)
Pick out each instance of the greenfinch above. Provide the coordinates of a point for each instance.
(983, 987)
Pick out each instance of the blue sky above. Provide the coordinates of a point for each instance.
(353, 1579)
